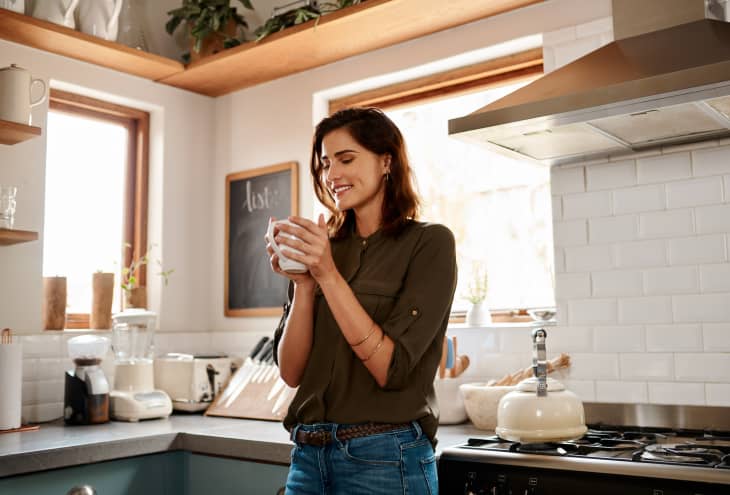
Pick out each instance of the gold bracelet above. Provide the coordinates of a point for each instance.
(382, 338)
(372, 331)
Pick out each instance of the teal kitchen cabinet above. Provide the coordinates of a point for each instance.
(207, 475)
(170, 473)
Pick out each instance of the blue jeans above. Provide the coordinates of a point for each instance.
(394, 462)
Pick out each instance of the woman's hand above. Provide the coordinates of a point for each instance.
(313, 242)
(297, 278)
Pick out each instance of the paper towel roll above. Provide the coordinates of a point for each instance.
(11, 379)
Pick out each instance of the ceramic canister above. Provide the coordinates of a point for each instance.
(15, 94)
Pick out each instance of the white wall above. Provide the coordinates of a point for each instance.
(273, 122)
(180, 157)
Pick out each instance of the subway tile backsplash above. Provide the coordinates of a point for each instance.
(651, 234)
(668, 339)
(45, 360)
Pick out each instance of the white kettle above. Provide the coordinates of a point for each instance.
(56, 11)
(100, 18)
(541, 409)
(15, 94)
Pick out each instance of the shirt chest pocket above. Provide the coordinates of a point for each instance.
(376, 298)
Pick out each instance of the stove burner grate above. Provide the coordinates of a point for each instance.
(680, 454)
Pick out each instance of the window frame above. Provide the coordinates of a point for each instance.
(500, 71)
(136, 188)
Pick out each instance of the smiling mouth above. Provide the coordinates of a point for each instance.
(339, 191)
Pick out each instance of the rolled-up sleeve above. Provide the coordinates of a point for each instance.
(423, 305)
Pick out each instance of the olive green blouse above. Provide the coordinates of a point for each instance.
(406, 284)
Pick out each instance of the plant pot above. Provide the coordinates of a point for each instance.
(54, 303)
(478, 314)
(214, 42)
(135, 298)
(101, 304)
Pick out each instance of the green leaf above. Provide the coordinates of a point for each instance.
(172, 24)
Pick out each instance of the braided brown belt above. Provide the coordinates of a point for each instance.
(321, 438)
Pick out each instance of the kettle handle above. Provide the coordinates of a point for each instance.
(539, 360)
(43, 95)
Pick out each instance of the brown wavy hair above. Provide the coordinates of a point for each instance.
(374, 131)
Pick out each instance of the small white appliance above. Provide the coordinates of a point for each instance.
(192, 380)
(134, 396)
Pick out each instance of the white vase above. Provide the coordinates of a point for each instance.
(100, 18)
(56, 11)
(478, 314)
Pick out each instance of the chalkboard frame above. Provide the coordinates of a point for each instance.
(231, 179)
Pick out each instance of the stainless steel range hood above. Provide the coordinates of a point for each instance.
(670, 85)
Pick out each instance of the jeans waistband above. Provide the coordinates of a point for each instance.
(321, 434)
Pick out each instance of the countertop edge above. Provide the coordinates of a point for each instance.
(76, 455)
(56, 446)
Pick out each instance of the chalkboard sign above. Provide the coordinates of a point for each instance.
(253, 196)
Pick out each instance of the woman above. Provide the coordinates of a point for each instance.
(366, 326)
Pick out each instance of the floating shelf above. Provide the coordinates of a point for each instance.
(12, 133)
(61, 40)
(12, 236)
(351, 31)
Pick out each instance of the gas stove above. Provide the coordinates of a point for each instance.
(606, 460)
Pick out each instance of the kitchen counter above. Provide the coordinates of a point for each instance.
(55, 445)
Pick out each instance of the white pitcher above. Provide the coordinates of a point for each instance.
(100, 18)
(15, 98)
(56, 11)
(14, 5)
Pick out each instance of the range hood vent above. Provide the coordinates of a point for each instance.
(658, 88)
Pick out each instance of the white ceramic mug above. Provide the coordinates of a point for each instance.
(100, 18)
(56, 11)
(15, 89)
(286, 264)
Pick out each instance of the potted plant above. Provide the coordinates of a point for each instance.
(214, 25)
(135, 295)
(478, 313)
(310, 9)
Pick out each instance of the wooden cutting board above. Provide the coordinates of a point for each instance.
(253, 401)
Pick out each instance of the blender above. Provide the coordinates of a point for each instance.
(86, 391)
(134, 396)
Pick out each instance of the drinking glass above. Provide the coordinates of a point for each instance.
(7, 206)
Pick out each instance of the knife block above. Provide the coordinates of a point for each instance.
(252, 401)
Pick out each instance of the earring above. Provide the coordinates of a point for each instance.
(387, 177)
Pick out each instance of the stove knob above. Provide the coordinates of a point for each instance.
(531, 486)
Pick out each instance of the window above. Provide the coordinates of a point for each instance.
(499, 208)
(96, 195)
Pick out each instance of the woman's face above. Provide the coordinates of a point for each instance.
(354, 174)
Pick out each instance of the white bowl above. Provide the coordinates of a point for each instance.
(450, 401)
(481, 401)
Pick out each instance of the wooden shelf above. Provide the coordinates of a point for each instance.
(11, 236)
(352, 31)
(61, 40)
(12, 133)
